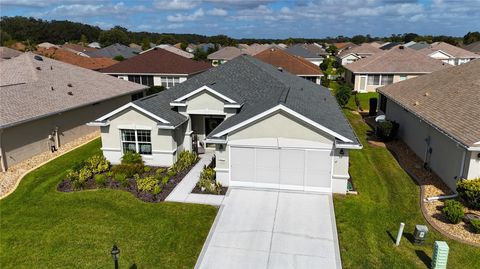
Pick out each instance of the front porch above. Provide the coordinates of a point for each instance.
(201, 126)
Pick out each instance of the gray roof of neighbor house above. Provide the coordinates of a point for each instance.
(33, 87)
(396, 61)
(365, 48)
(226, 53)
(419, 45)
(299, 50)
(316, 49)
(8, 53)
(114, 50)
(473, 47)
(447, 99)
(449, 49)
(258, 87)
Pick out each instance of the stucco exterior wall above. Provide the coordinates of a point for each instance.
(446, 156)
(205, 103)
(164, 142)
(472, 165)
(372, 88)
(31, 138)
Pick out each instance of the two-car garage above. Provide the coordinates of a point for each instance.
(281, 163)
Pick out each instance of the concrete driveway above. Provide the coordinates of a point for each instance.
(272, 229)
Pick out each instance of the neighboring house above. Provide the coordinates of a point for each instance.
(95, 45)
(269, 129)
(114, 50)
(135, 46)
(41, 97)
(8, 53)
(67, 56)
(377, 44)
(224, 55)
(47, 45)
(290, 63)
(299, 50)
(418, 45)
(439, 119)
(473, 47)
(157, 67)
(172, 49)
(344, 45)
(79, 49)
(255, 49)
(389, 66)
(316, 49)
(353, 54)
(449, 53)
(191, 48)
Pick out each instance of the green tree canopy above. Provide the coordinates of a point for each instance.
(471, 37)
(114, 35)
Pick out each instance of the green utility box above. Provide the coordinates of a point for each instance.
(440, 255)
(420, 234)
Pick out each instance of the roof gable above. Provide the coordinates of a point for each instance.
(207, 89)
(293, 64)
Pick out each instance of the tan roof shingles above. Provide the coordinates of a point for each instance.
(447, 99)
(293, 64)
(397, 60)
(450, 49)
(33, 89)
(365, 48)
(225, 53)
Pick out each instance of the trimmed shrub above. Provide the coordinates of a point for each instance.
(343, 95)
(128, 169)
(387, 130)
(72, 175)
(146, 184)
(207, 181)
(147, 169)
(185, 160)
(453, 210)
(98, 164)
(131, 157)
(84, 174)
(475, 223)
(101, 180)
(165, 180)
(469, 191)
(171, 173)
(157, 189)
(122, 179)
(160, 170)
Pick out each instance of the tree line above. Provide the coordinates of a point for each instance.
(34, 31)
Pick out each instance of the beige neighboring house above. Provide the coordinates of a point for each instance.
(41, 98)
(173, 50)
(448, 53)
(439, 118)
(389, 66)
(268, 129)
(47, 45)
(224, 55)
(353, 54)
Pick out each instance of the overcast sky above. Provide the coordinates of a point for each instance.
(263, 18)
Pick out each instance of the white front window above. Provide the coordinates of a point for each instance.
(378, 80)
(136, 141)
(169, 82)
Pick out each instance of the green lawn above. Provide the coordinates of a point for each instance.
(387, 196)
(43, 228)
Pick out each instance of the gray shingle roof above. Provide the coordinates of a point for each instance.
(447, 99)
(31, 89)
(259, 87)
(299, 50)
(114, 50)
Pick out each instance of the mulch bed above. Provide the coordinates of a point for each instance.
(66, 186)
(199, 191)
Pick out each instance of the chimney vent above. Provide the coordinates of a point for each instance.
(280, 69)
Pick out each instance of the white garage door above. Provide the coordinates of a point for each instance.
(296, 169)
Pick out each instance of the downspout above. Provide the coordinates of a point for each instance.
(462, 166)
(57, 142)
(3, 161)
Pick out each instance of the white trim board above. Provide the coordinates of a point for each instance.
(205, 88)
(289, 111)
(131, 105)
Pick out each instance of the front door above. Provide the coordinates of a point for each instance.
(211, 123)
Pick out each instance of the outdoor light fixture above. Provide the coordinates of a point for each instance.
(115, 254)
(342, 152)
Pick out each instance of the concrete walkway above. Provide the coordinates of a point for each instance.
(272, 229)
(182, 192)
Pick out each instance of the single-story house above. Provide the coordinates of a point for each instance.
(157, 67)
(68, 56)
(390, 45)
(268, 129)
(47, 45)
(114, 50)
(315, 48)
(417, 45)
(353, 54)
(389, 66)
(299, 50)
(95, 45)
(439, 118)
(79, 49)
(224, 55)
(172, 49)
(45, 103)
(291, 63)
(449, 54)
(344, 45)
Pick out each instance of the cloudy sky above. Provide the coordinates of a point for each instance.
(263, 18)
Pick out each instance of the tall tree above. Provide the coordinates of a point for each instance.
(471, 37)
(114, 35)
(145, 44)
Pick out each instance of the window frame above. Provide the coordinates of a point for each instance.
(146, 140)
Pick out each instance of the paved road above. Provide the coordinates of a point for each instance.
(272, 229)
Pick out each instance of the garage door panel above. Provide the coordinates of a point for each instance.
(318, 169)
(243, 164)
(267, 165)
(292, 166)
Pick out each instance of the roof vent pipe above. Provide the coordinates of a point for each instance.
(38, 58)
(280, 69)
